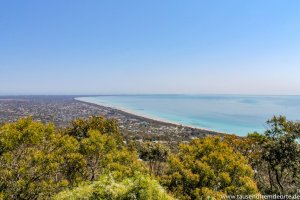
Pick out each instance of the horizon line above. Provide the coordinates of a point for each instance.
(146, 94)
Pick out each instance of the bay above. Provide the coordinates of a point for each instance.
(238, 114)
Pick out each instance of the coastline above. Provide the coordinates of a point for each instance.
(131, 113)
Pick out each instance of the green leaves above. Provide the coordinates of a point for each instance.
(208, 168)
(90, 160)
(29, 163)
(37, 161)
(155, 154)
(139, 186)
(274, 155)
(281, 152)
(80, 128)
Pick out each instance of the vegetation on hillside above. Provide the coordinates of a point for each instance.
(209, 168)
(274, 156)
(140, 186)
(90, 160)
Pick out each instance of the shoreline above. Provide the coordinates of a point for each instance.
(149, 118)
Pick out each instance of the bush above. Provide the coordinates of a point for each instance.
(140, 187)
(208, 168)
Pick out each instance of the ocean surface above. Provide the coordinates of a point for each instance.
(238, 114)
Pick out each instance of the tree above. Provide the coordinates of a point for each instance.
(73, 162)
(38, 161)
(102, 153)
(96, 147)
(79, 128)
(30, 161)
(251, 148)
(155, 154)
(274, 155)
(281, 152)
(208, 168)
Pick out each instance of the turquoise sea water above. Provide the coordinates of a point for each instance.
(237, 114)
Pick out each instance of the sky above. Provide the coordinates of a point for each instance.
(150, 47)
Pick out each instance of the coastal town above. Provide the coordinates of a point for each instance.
(61, 110)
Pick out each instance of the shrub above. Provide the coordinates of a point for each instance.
(140, 187)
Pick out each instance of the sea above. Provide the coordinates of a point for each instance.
(234, 114)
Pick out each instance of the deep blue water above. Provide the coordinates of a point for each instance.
(237, 114)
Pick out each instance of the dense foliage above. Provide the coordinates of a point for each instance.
(90, 160)
(31, 160)
(137, 187)
(209, 168)
(274, 156)
(37, 161)
(156, 155)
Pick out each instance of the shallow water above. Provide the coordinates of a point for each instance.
(237, 114)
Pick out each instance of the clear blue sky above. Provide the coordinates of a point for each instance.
(96, 47)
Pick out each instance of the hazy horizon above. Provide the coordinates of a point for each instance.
(147, 94)
(136, 47)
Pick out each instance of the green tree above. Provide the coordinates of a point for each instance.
(102, 153)
(102, 147)
(155, 154)
(96, 147)
(30, 161)
(37, 161)
(251, 148)
(73, 162)
(79, 128)
(281, 152)
(207, 168)
(274, 155)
